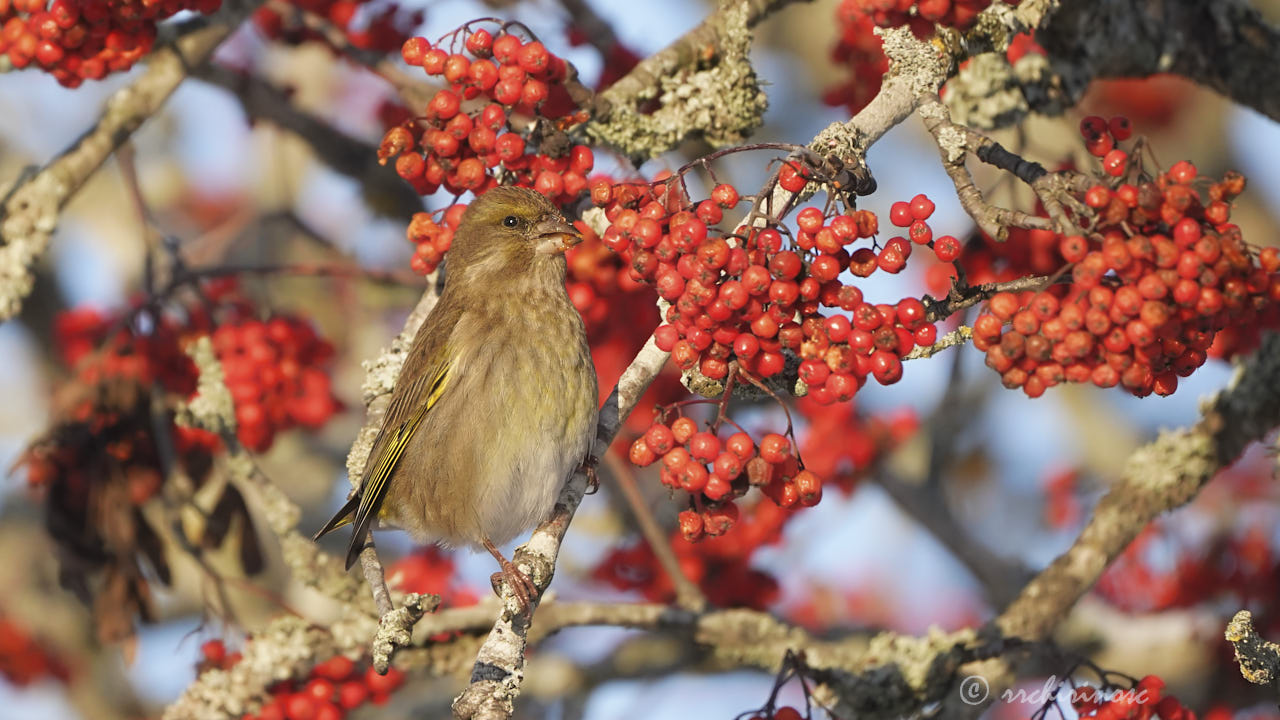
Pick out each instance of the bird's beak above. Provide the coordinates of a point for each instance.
(554, 236)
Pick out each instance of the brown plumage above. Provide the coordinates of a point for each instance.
(496, 404)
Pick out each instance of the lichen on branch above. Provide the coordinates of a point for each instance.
(716, 96)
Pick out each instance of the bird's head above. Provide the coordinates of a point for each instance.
(511, 231)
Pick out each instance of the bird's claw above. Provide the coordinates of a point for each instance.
(522, 586)
(593, 478)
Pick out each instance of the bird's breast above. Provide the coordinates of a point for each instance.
(526, 394)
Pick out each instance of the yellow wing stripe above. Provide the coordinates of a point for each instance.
(371, 494)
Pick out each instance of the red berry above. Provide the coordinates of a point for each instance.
(921, 207)
(1120, 128)
(1092, 126)
(947, 248)
(352, 694)
(640, 454)
(704, 446)
(300, 706)
(659, 438)
(775, 448)
(691, 525)
(740, 444)
(383, 684)
(725, 196)
(480, 43)
(809, 219)
(214, 651)
(1115, 162)
(1182, 172)
(682, 429)
(900, 214)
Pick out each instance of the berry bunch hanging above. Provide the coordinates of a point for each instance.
(276, 373)
(746, 297)
(78, 40)
(1159, 275)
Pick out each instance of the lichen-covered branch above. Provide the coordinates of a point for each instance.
(703, 83)
(1259, 658)
(499, 666)
(30, 213)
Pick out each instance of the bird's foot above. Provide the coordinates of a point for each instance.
(521, 585)
(593, 478)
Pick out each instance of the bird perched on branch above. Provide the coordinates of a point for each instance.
(496, 404)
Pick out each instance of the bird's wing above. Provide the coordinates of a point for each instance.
(418, 389)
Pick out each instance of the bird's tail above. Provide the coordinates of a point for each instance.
(342, 518)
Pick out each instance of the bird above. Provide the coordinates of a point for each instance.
(496, 404)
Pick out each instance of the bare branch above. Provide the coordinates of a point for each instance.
(341, 152)
(688, 595)
(992, 220)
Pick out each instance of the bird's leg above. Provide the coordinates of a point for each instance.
(521, 585)
(593, 479)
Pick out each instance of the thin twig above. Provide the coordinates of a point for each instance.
(688, 595)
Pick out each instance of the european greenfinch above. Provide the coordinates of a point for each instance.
(496, 404)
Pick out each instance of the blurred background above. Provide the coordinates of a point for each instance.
(1023, 475)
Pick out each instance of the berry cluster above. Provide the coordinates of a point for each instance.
(747, 297)
(706, 467)
(334, 688)
(379, 29)
(720, 566)
(461, 145)
(432, 239)
(862, 52)
(23, 660)
(78, 40)
(1151, 286)
(274, 370)
(920, 15)
(1242, 565)
(1143, 700)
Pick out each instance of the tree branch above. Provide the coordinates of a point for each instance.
(1224, 45)
(354, 158)
(688, 595)
(1160, 476)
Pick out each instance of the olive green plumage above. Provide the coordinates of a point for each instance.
(496, 403)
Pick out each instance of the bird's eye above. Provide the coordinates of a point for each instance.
(511, 221)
